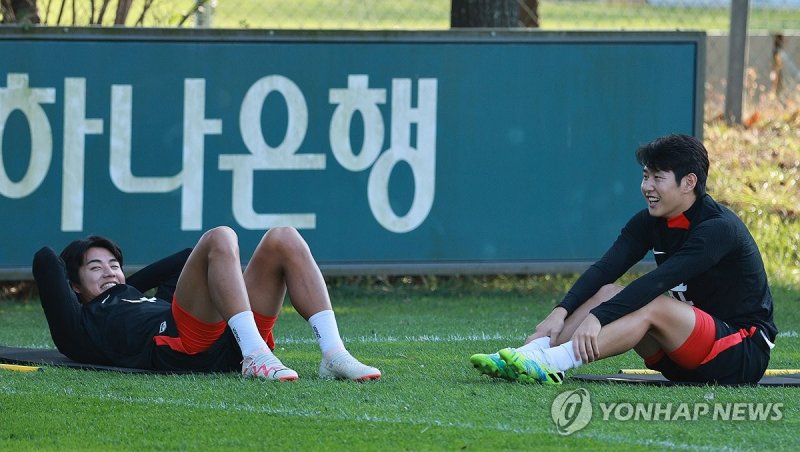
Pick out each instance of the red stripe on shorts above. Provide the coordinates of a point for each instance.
(728, 341)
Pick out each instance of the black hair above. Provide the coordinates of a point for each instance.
(74, 254)
(681, 154)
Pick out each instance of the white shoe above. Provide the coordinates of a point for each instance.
(342, 365)
(265, 365)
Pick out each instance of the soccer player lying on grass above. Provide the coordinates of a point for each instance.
(111, 322)
(716, 324)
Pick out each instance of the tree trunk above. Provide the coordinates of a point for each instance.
(493, 13)
(529, 13)
(102, 12)
(19, 11)
(123, 8)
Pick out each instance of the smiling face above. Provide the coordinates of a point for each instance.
(666, 197)
(99, 272)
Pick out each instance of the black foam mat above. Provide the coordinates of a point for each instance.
(50, 357)
(659, 380)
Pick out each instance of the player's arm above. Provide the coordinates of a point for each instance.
(630, 247)
(162, 274)
(707, 245)
(61, 307)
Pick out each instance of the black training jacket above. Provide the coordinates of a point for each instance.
(705, 256)
(118, 327)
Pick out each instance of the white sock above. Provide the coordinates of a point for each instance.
(536, 344)
(246, 333)
(560, 358)
(326, 331)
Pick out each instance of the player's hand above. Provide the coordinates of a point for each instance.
(584, 341)
(551, 326)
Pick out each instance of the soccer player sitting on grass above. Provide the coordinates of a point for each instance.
(206, 316)
(716, 324)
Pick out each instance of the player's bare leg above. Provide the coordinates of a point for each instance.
(663, 324)
(211, 288)
(665, 321)
(283, 262)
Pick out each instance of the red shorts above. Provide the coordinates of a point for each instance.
(715, 352)
(196, 336)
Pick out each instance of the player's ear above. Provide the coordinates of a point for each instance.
(689, 182)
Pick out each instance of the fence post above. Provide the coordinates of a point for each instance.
(737, 58)
(204, 13)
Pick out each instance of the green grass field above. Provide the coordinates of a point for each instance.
(429, 399)
(421, 332)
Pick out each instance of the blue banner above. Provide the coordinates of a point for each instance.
(388, 151)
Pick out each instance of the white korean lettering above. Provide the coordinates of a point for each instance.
(76, 127)
(284, 155)
(17, 96)
(262, 156)
(356, 98)
(418, 152)
(422, 160)
(120, 148)
(195, 128)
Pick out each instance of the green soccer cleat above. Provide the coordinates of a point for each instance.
(492, 366)
(528, 370)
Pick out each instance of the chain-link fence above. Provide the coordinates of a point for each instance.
(773, 63)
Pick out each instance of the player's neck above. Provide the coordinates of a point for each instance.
(684, 206)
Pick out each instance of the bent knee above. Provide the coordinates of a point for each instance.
(221, 238)
(282, 233)
(664, 308)
(220, 234)
(285, 240)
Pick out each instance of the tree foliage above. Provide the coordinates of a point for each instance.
(56, 12)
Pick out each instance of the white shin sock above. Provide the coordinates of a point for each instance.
(561, 357)
(536, 344)
(326, 331)
(246, 333)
